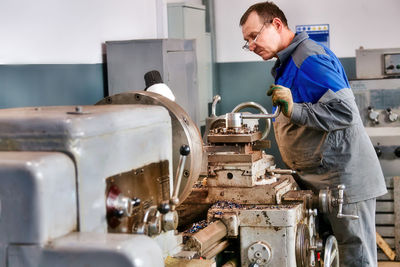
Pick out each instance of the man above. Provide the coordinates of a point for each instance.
(320, 133)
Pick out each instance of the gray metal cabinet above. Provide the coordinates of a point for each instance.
(188, 21)
(175, 59)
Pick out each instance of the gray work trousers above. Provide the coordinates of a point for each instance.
(356, 238)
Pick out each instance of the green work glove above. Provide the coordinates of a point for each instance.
(282, 96)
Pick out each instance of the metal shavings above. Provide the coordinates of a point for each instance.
(226, 205)
(197, 227)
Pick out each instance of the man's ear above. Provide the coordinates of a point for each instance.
(277, 23)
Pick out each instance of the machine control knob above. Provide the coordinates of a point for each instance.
(135, 202)
(118, 213)
(397, 151)
(378, 151)
(184, 150)
(373, 115)
(392, 117)
(164, 208)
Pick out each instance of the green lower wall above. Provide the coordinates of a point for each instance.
(51, 85)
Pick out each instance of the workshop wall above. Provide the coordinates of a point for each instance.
(368, 23)
(51, 52)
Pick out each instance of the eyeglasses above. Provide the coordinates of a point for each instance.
(247, 45)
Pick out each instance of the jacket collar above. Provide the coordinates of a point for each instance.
(284, 54)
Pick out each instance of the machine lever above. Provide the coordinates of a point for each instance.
(184, 151)
(340, 201)
(262, 116)
(216, 99)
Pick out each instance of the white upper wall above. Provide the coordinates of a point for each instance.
(353, 23)
(72, 31)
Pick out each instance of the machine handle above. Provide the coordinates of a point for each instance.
(340, 201)
(262, 116)
(164, 208)
(326, 201)
(216, 99)
(184, 151)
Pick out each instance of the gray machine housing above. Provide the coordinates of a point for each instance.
(54, 162)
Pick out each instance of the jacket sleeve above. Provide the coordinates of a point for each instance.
(331, 105)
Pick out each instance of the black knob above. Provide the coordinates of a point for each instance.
(370, 107)
(118, 213)
(151, 78)
(378, 151)
(135, 201)
(164, 208)
(184, 150)
(389, 110)
(397, 151)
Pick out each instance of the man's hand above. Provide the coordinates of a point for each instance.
(282, 96)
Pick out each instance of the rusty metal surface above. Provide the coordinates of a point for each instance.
(240, 174)
(262, 144)
(184, 132)
(150, 184)
(259, 194)
(234, 138)
(304, 196)
(283, 215)
(220, 157)
(194, 208)
(224, 148)
(274, 225)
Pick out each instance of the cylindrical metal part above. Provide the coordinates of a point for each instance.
(231, 263)
(215, 249)
(207, 237)
(233, 120)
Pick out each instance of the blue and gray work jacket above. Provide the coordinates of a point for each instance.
(324, 140)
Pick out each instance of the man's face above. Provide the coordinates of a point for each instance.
(268, 39)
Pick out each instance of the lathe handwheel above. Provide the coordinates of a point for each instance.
(331, 252)
(261, 109)
(302, 246)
